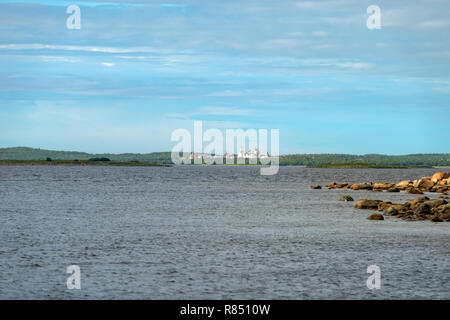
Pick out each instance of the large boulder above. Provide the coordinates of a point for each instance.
(423, 209)
(440, 176)
(390, 211)
(399, 207)
(384, 205)
(412, 190)
(367, 204)
(424, 183)
(439, 188)
(375, 216)
(444, 182)
(383, 185)
(403, 184)
(435, 203)
(416, 202)
(361, 186)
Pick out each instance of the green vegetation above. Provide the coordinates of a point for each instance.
(24, 153)
(99, 159)
(368, 160)
(49, 157)
(361, 165)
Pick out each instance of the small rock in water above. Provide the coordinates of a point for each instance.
(376, 216)
(393, 190)
(346, 198)
(316, 186)
(367, 204)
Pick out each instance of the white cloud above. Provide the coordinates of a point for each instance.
(319, 33)
(354, 65)
(435, 24)
(119, 50)
(60, 59)
(108, 64)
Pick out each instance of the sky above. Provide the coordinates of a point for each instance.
(137, 70)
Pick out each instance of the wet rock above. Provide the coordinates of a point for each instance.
(414, 203)
(445, 216)
(424, 183)
(361, 186)
(316, 186)
(412, 190)
(346, 198)
(419, 217)
(331, 185)
(399, 207)
(423, 209)
(375, 216)
(445, 209)
(436, 219)
(403, 184)
(438, 188)
(435, 203)
(383, 185)
(342, 185)
(384, 205)
(390, 211)
(395, 189)
(367, 204)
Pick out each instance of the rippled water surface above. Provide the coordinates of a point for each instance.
(210, 233)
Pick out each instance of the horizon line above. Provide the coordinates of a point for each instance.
(284, 154)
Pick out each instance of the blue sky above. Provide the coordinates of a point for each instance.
(137, 70)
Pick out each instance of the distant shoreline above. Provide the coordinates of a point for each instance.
(33, 156)
(113, 163)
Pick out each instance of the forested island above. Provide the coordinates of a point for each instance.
(25, 155)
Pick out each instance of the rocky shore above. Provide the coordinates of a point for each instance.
(420, 208)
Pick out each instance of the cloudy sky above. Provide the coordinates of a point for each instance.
(137, 70)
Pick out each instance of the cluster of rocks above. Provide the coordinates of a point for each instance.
(420, 208)
(439, 182)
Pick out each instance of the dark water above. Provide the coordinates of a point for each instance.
(210, 233)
